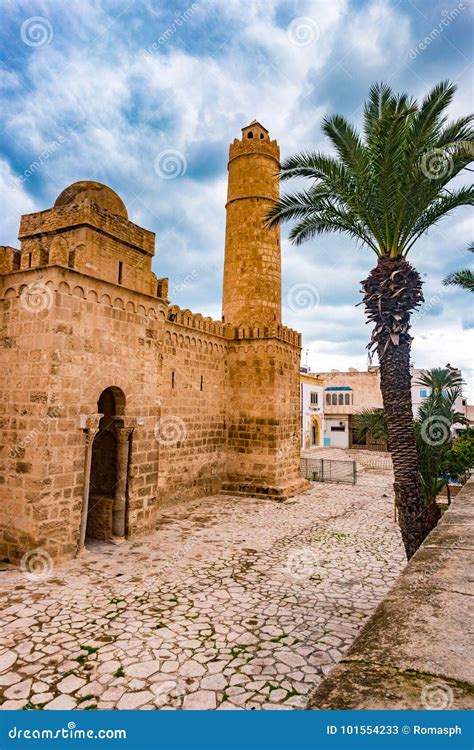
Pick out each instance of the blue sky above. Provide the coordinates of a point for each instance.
(103, 87)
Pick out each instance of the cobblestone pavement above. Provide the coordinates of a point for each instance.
(233, 602)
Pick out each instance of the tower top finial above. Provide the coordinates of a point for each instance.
(256, 131)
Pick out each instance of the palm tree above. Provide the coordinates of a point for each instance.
(441, 381)
(371, 425)
(433, 432)
(385, 189)
(463, 278)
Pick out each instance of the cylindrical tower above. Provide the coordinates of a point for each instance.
(252, 265)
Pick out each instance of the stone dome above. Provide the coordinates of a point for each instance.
(104, 196)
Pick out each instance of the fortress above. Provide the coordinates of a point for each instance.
(115, 402)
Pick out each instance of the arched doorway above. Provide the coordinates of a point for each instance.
(106, 512)
(314, 432)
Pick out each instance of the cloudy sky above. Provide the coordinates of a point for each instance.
(106, 89)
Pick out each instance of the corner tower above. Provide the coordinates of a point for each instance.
(252, 265)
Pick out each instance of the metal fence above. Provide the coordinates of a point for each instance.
(329, 470)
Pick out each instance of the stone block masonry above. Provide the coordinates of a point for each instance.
(115, 403)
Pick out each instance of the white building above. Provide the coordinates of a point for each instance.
(311, 404)
(420, 393)
(330, 402)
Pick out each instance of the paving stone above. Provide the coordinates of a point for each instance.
(12, 705)
(143, 669)
(191, 669)
(20, 690)
(7, 659)
(225, 615)
(131, 701)
(70, 684)
(41, 698)
(61, 703)
(201, 700)
(214, 682)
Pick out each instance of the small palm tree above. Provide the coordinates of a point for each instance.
(441, 381)
(385, 189)
(371, 425)
(463, 278)
(433, 432)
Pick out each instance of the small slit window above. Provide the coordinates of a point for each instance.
(120, 271)
(172, 378)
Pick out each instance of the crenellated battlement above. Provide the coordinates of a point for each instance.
(198, 322)
(195, 321)
(254, 147)
(264, 332)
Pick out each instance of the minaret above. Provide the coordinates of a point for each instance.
(252, 265)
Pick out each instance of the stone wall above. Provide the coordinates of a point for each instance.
(415, 652)
(264, 420)
(192, 428)
(213, 412)
(72, 340)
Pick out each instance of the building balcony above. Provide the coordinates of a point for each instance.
(340, 409)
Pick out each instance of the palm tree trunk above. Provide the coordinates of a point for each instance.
(392, 291)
